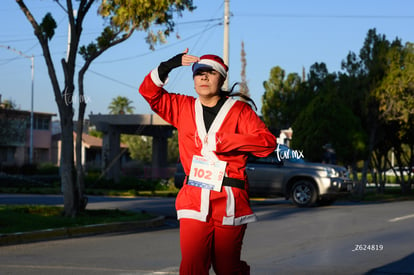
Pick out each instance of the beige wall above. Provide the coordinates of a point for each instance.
(41, 139)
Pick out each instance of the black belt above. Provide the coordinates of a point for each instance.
(232, 182)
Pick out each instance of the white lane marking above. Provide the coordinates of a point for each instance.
(401, 218)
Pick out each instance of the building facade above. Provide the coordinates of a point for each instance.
(15, 137)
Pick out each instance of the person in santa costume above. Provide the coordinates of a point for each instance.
(215, 135)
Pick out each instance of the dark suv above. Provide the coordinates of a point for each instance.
(285, 173)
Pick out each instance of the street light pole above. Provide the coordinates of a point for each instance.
(31, 114)
(32, 97)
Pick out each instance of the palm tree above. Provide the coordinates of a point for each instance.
(121, 105)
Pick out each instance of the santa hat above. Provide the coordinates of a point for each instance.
(211, 62)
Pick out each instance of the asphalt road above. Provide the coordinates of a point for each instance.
(345, 238)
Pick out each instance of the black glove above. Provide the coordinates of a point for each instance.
(166, 67)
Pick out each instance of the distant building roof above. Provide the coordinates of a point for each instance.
(91, 141)
(21, 112)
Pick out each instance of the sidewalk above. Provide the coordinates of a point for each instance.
(81, 231)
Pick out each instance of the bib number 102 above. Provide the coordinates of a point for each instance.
(202, 173)
(206, 174)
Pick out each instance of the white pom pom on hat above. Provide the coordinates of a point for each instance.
(211, 61)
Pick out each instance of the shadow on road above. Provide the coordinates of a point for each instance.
(404, 266)
(278, 208)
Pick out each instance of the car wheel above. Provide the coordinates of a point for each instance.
(303, 193)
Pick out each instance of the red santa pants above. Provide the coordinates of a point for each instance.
(206, 243)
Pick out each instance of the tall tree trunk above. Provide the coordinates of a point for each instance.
(70, 196)
(80, 177)
(64, 102)
(371, 144)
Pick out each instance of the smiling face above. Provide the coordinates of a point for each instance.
(208, 84)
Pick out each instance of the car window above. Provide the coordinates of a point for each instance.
(270, 159)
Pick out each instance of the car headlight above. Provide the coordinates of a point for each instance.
(331, 173)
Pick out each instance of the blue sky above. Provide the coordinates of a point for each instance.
(291, 34)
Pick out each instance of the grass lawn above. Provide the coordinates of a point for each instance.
(24, 218)
(390, 194)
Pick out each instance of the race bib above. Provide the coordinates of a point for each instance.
(207, 174)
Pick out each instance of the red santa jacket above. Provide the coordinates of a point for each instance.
(235, 132)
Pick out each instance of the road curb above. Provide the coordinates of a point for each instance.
(80, 231)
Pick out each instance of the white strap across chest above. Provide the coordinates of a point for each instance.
(215, 126)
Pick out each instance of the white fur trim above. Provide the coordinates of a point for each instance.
(210, 64)
(197, 215)
(211, 142)
(191, 214)
(230, 205)
(240, 220)
(207, 151)
(230, 218)
(245, 219)
(156, 78)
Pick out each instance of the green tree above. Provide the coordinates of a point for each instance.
(396, 91)
(173, 153)
(318, 74)
(121, 105)
(396, 103)
(280, 94)
(368, 70)
(122, 18)
(365, 112)
(8, 104)
(326, 119)
(95, 133)
(140, 147)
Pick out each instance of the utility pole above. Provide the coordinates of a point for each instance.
(226, 39)
(32, 95)
(31, 114)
